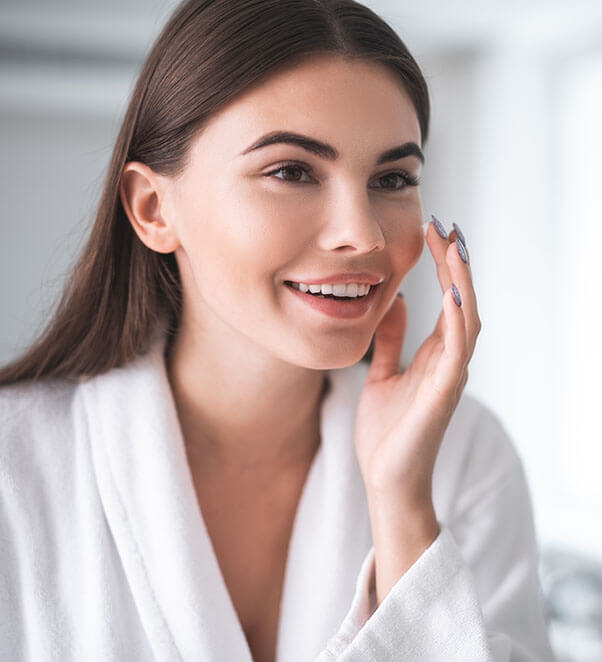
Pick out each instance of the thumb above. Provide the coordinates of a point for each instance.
(388, 342)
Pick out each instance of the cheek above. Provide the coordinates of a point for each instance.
(269, 227)
(242, 239)
(406, 239)
(262, 235)
(416, 244)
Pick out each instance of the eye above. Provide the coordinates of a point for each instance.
(288, 167)
(407, 179)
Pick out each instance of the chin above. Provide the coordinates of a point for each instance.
(334, 360)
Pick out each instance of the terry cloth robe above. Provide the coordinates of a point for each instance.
(105, 556)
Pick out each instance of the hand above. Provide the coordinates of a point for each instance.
(402, 417)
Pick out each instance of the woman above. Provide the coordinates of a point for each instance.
(197, 462)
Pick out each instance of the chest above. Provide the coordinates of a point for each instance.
(250, 531)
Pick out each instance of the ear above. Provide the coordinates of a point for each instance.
(142, 193)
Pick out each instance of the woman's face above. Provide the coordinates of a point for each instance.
(246, 225)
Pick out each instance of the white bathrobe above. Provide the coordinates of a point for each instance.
(104, 553)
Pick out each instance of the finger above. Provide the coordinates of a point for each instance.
(438, 246)
(462, 278)
(388, 342)
(450, 367)
(439, 329)
(456, 233)
(463, 382)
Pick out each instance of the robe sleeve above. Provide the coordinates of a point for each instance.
(473, 595)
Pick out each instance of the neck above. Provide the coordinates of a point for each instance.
(244, 417)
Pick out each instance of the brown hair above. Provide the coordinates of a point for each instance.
(208, 52)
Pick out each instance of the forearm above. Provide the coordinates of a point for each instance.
(400, 534)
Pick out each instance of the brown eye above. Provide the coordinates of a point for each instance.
(295, 168)
(408, 180)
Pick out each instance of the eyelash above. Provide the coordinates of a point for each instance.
(410, 180)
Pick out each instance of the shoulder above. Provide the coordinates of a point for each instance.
(41, 406)
(477, 456)
(479, 425)
(485, 436)
(37, 430)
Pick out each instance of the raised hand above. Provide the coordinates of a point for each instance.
(402, 416)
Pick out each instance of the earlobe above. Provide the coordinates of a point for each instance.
(141, 194)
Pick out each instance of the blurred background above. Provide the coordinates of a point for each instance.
(513, 158)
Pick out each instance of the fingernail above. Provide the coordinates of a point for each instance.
(456, 294)
(441, 231)
(462, 250)
(459, 233)
(400, 295)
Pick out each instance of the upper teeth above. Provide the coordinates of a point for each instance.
(339, 290)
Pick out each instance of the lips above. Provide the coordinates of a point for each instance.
(343, 308)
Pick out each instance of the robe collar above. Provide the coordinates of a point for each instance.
(152, 511)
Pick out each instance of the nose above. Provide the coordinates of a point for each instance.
(350, 224)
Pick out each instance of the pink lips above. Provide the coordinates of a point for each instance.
(343, 309)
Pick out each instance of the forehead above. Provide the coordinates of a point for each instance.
(353, 104)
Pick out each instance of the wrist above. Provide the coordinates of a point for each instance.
(401, 534)
(413, 499)
(400, 524)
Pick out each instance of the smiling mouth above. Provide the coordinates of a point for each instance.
(344, 308)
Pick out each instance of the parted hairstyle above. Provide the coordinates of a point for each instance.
(208, 52)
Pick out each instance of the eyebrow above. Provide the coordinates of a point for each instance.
(326, 151)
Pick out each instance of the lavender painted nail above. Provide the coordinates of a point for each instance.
(459, 233)
(441, 231)
(456, 295)
(462, 250)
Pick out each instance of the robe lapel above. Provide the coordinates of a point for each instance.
(151, 508)
(152, 511)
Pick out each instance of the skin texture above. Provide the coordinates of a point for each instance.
(247, 346)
